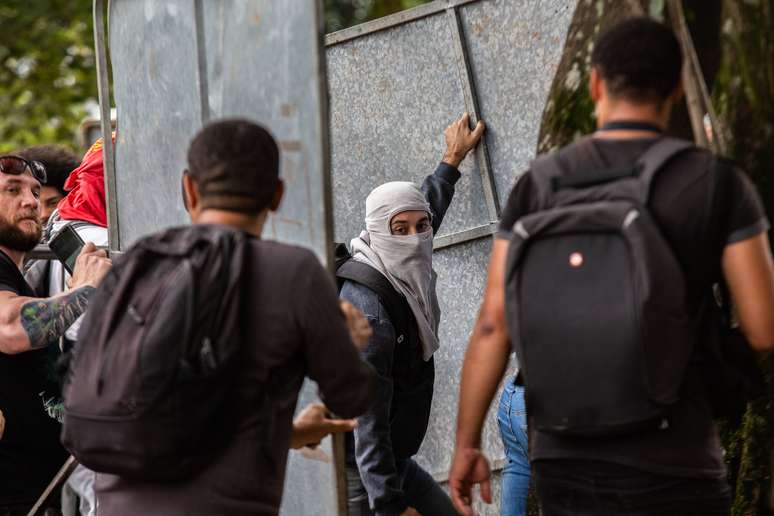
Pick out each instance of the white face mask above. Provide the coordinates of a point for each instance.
(405, 260)
(409, 258)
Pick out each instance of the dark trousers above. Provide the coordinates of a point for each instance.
(591, 488)
(422, 492)
(14, 510)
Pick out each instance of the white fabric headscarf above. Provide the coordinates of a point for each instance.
(405, 260)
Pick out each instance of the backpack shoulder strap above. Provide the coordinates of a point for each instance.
(549, 174)
(544, 170)
(654, 160)
(393, 301)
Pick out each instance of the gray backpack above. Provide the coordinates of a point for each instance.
(596, 300)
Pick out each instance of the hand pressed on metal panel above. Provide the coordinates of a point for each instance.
(460, 139)
(359, 327)
(469, 467)
(313, 424)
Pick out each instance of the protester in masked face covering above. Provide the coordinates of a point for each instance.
(406, 260)
(400, 223)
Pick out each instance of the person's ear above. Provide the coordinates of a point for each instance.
(278, 194)
(182, 189)
(595, 85)
(190, 194)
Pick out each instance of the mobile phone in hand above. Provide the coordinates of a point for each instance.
(66, 246)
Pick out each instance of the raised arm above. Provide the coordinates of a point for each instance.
(28, 323)
(438, 187)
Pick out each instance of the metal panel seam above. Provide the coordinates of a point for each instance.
(464, 236)
(400, 18)
(108, 147)
(201, 55)
(471, 104)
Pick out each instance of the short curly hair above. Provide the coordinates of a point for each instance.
(235, 164)
(639, 59)
(58, 160)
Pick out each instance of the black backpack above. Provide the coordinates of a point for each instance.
(596, 300)
(148, 394)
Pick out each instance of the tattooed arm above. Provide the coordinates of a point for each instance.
(29, 323)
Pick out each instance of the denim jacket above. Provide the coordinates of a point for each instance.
(394, 427)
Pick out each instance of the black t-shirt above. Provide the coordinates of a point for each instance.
(700, 208)
(30, 452)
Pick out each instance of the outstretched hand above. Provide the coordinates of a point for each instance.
(314, 423)
(469, 467)
(460, 139)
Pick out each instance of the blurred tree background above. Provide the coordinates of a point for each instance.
(48, 86)
(47, 75)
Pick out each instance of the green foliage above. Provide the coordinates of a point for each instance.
(47, 71)
(340, 14)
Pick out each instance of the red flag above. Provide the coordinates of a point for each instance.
(85, 199)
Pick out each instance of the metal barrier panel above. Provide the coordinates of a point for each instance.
(179, 63)
(155, 86)
(395, 84)
(392, 94)
(266, 63)
(514, 48)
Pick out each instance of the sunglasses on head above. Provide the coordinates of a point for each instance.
(16, 166)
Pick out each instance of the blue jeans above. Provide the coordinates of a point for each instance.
(512, 419)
